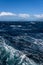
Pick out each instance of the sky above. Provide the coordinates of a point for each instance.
(15, 10)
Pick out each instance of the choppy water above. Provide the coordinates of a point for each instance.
(21, 43)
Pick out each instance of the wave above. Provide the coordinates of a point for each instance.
(12, 56)
(14, 26)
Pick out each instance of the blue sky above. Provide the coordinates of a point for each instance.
(21, 9)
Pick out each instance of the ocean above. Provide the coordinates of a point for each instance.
(21, 43)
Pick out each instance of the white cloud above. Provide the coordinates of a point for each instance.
(13, 14)
(7, 14)
(39, 15)
(24, 15)
(20, 15)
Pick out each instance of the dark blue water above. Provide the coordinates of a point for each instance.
(21, 43)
